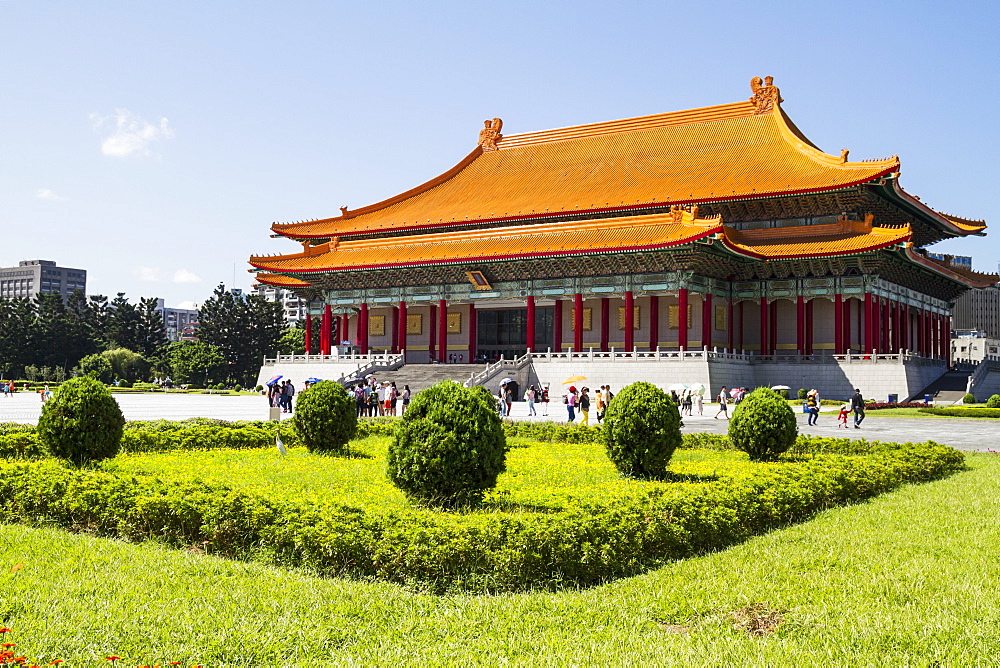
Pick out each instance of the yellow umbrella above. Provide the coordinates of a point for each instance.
(574, 379)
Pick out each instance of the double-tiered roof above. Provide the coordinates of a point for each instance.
(656, 182)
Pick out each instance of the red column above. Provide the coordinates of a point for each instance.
(763, 326)
(345, 322)
(905, 330)
(402, 328)
(557, 327)
(394, 325)
(800, 324)
(577, 322)
(838, 324)
(809, 327)
(894, 312)
(605, 322)
(947, 339)
(363, 329)
(325, 333)
(883, 324)
(529, 336)
(869, 344)
(706, 320)
(443, 330)
(432, 335)
(682, 318)
(309, 331)
(629, 319)
(847, 325)
(654, 322)
(473, 327)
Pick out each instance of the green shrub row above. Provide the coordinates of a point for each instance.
(582, 545)
(553, 432)
(964, 412)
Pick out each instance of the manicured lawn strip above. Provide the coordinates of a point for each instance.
(585, 543)
(902, 579)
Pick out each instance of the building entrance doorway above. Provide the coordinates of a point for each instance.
(504, 332)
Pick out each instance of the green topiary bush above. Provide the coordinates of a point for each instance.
(81, 423)
(993, 402)
(325, 417)
(803, 393)
(642, 428)
(124, 383)
(969, 399)
(763, 426)
(449, 446)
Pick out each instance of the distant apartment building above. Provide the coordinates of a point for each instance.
(295, 310)
(973, 346)
(175, 320)
(978, 310)
(33, 277)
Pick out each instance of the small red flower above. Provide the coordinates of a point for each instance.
(56, 662)
(113, 658)
(4, 630)
(9, 644)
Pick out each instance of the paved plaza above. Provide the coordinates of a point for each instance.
(958, 433)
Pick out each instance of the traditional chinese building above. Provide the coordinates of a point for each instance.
(721, 229)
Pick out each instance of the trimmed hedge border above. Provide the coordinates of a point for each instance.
(584, 544)
(964, 412)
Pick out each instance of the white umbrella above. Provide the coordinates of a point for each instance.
(505, 381)
(698, 388)
(677, 387)
(780, 387)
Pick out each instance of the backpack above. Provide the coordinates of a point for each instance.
(565, 398)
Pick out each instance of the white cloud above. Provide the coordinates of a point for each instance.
(185, 276)
(131, 134)
(188, 305)
(45, 193)
(147, 274)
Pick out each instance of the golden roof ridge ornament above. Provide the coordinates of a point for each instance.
(765, 97)
(490, 134)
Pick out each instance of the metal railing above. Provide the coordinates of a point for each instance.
(493, 368)
(382, 362)
(314, 359)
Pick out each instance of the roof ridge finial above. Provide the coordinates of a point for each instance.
(765, 94)
(490, 134)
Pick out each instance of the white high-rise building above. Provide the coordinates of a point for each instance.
(295, 309)
(32, 277)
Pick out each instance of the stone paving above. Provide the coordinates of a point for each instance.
(958, 433)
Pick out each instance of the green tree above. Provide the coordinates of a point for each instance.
(124, 324)
(17, 317)
(152, 334)
(245, 329)
(195, 362)
(292, 342)
(97, 367)
(125, 363)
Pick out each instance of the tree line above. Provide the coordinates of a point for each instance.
(117, 339)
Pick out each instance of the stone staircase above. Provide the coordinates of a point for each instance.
(948, 389)
(422, 376)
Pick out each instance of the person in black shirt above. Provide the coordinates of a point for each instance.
(858, 406)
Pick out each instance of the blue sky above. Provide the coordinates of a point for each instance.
(153, 143)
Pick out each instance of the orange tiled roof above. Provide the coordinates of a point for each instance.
(525, 241)
(710, 154)
(280, 281)
(845, 237)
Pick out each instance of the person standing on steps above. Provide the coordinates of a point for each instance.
(858, 406)
(723, 403)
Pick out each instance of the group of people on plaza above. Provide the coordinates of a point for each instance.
(579, 403)
(279, 395)
(373, 398)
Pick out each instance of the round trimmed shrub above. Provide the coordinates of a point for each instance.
(82, 422)
(763, 426)
(993, 402)
(969, 399)
(124, 383)
(449, 446)
(642, 428)
(325, 417)
(802, 393)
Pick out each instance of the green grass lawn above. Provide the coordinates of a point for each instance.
(544, 476)
(908, 578)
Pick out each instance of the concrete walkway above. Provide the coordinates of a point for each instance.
(958, 433)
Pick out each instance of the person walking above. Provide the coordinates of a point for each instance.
(406, 399)
(858, 406)
(723, 403)
(570, 400)
(545, 401)
(289, 393)
(530, 397)
(812, 407)
(584, 405)
(508, 398)
(599, 402)
(699, 400)
(686, 402)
